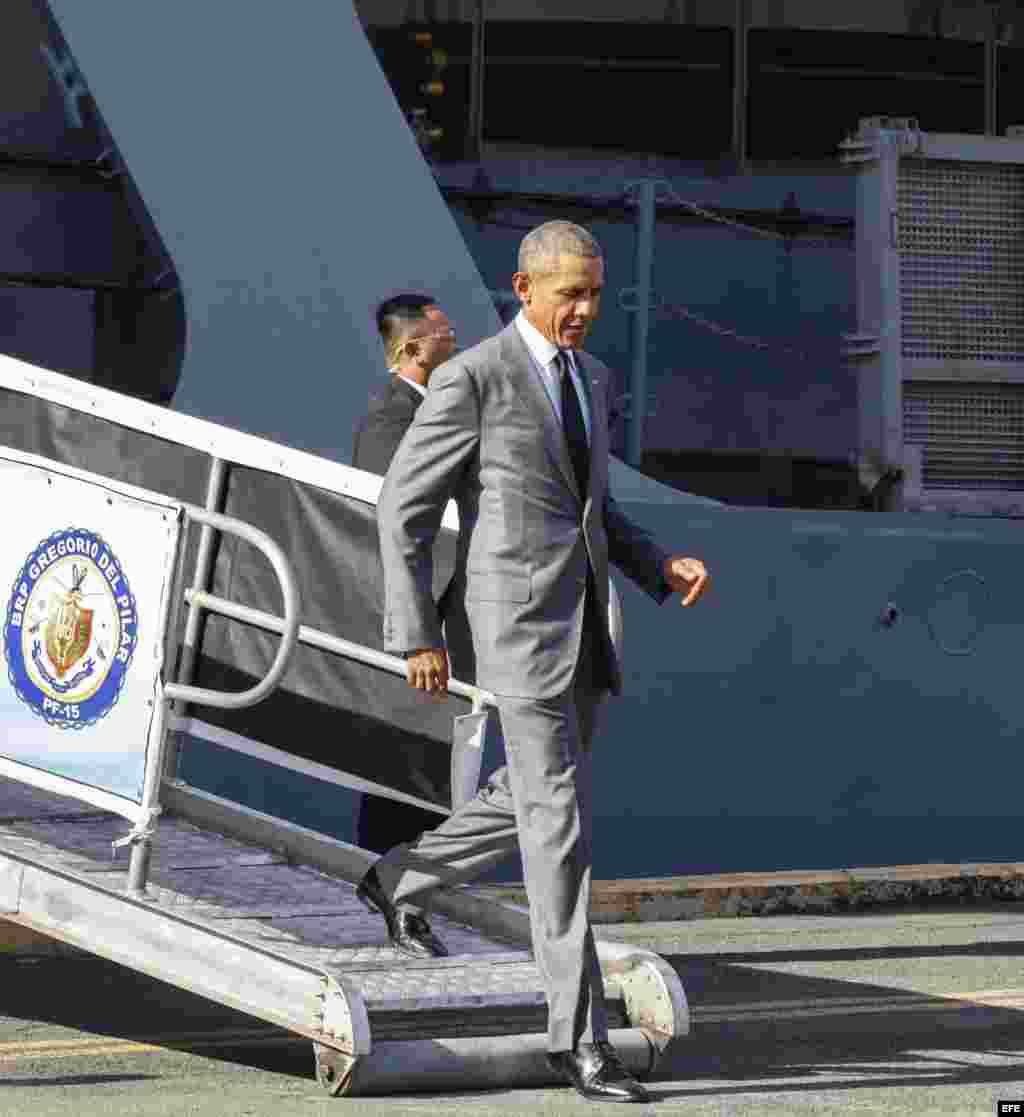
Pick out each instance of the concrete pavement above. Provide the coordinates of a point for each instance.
(910, 1012)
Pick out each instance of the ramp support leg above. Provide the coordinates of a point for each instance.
(465, 1063)
(655, 999)
(333, 1069)
(138, 867)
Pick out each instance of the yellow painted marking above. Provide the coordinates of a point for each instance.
(110, 1045)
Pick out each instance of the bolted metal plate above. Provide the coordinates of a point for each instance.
(449, 986)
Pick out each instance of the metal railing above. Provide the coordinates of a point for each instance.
(315, 638)
(288, 627)
(141, 836)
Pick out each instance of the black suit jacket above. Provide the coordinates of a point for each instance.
(383, 823)
(382, 427)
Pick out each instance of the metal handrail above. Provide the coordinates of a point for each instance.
(288, 626)
(314, 637)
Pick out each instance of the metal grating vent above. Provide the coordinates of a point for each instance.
(972, 434)
(961, 242)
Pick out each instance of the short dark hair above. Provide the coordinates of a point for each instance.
(396, 314)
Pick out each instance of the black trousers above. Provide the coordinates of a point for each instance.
(383, 823)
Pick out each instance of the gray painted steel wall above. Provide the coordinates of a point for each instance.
(289, 192)
(781, 725)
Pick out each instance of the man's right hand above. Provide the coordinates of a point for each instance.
(427, 670)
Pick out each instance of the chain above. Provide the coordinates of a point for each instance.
(677, 310)
(664, 192)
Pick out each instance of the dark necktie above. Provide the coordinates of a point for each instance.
(573, 425)
(592, 667)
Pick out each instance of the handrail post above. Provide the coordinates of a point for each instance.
(140, 837)
(215, 485)
(204, 562)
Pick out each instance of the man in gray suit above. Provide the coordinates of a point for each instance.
(515, 429)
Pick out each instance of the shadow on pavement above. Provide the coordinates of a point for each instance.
(755, 1030)
(817, 1033)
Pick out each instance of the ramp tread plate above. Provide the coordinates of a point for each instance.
(486, 1020)
(300, 915)
(242, 890)
(17, 795)
(18, 802)
(463, 986)
(178, 844)
(458, 1023)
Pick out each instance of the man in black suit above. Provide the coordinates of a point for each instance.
(417, 337)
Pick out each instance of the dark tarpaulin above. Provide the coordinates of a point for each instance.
(328, 709)
(97, 445)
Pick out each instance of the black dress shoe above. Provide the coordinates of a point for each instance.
(597, 1072)
(410, 934)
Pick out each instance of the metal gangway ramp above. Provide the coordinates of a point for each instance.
(238, 906)
(253, 928)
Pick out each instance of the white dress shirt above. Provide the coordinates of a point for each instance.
(412, 383)
(543, 353)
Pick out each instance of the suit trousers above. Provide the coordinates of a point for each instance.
(540, 802)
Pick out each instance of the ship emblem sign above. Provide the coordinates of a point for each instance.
(71, 629)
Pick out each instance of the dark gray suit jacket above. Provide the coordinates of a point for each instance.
(381, 429)
(383, 823)
(486, 435)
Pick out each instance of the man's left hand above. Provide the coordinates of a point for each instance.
(686, 576)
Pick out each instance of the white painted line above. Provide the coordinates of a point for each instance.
(843, 1006)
